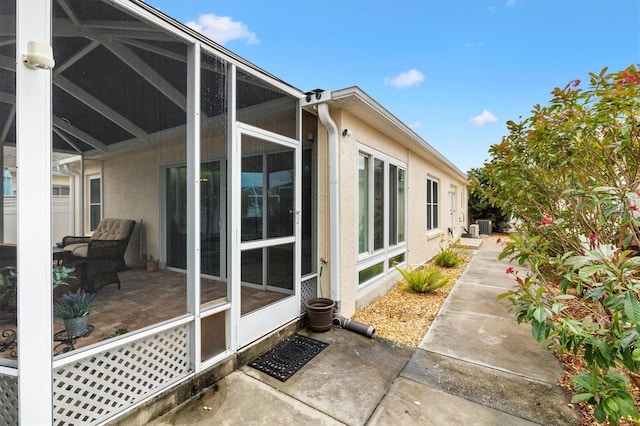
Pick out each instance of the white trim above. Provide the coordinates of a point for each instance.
(34, 248)
(193, 201)
(99, 347)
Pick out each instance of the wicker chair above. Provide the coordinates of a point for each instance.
(100, 257)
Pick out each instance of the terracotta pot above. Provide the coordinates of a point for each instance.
(152, 265)
(320, 313)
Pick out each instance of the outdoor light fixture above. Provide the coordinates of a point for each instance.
(347, 133)
(317, 94)
(39, 56)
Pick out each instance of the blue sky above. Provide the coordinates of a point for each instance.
(453, 70)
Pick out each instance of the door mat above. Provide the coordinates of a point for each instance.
(288, 356)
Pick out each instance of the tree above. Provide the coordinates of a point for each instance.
(480, 207)
(570, 175)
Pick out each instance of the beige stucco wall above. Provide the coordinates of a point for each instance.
(420, 244)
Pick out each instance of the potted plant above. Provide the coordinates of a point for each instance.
(151, 264)
(9, 285)
(74, 310)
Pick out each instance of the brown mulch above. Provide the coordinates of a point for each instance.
(404, 317)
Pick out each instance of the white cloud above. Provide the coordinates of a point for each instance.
(512, 3)
(222, 29)
(405, 79)
(474, 44)
(484, 118)
(415, 125)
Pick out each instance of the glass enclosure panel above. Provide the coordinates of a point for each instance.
(267, 211)
(308, 232)
(8, 198)
(213, 334)
(176, 216)
(307, 238)
(263, 105)
(252, 267)
(279, 270)
(213, 195)
(378, 204)
(363, 204)
(119, 113)
(281, 200)
(267, 276)
(267, 214)
(252, 204)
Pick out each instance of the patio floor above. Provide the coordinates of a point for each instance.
(148, 298)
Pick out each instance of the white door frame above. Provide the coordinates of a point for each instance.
(252, 326)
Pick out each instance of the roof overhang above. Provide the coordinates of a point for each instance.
(362, 106)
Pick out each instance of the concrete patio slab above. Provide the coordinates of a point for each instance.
(481, 299)
(409, 403)
(514, 394)
(348, 378)
(243, 400)
(494, 342)
(490, 272)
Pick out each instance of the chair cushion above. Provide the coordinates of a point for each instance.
(112, 229)
(77, 249)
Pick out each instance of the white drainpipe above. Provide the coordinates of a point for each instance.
(334, 210)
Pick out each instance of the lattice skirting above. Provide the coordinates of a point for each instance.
(309, 290)
(8, 400)
(96, 388)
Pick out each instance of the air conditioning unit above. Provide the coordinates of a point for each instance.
(475, 230)
(485, 227)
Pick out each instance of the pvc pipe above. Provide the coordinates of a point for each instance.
(352, 325)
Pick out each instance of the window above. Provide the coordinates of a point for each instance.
(396, 205)
(95, 202)
(363, 204)
(381, 214)
(60, 190)
(432, 204)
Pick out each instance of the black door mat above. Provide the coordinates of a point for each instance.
(288, 356)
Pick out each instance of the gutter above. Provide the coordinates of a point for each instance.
(334, 209)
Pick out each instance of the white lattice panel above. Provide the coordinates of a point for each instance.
(100, 386)
(309, 290)
(8, 400)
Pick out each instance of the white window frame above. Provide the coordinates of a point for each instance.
(91, 204)
(433, 206)
(375, 256)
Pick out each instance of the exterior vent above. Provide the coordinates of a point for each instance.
(475, 230)
(485, 227)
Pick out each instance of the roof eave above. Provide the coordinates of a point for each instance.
(391, 120)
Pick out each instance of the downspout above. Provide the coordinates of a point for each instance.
(334, 193)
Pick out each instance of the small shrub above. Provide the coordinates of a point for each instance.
(119, 332)
(74, 305)
(422, 280)
(447, 258)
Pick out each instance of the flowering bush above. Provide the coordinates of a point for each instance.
(570, 175)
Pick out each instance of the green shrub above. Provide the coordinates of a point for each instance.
(422, 279)
(569, 176)
(447, 258)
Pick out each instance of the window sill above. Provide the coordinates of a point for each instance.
(434, 233)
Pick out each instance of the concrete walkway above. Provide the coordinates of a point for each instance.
(475, 366)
